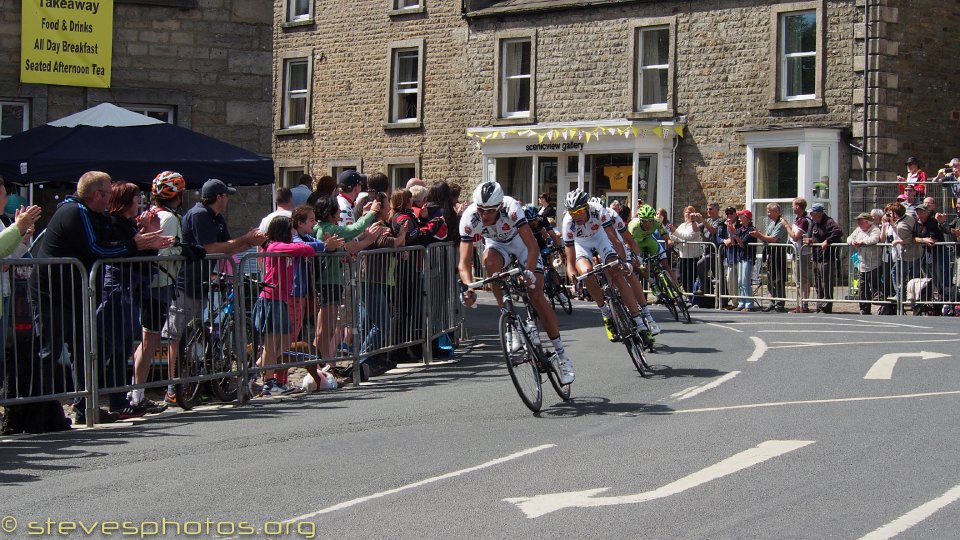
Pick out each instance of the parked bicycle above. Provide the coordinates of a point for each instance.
(209, 344)
(527, 362)
(665, 290)
(633, 337)
(553, 286)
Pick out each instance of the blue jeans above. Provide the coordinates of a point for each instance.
(744, 287)
(374, 315)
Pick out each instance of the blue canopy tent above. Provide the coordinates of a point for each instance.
(127, 146)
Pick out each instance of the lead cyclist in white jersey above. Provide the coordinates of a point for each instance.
(501, 223)
(587, 228)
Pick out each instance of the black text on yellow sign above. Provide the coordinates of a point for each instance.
(67, 42)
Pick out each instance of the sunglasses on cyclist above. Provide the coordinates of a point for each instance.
(487, 209)
(577, 212)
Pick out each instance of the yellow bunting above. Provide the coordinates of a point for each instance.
(636, 131)
(678, 130)
(658, 131)
(541, 136)
(588, 135)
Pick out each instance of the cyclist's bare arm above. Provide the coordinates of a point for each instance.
(617, 245)
(533, 249)
(466, 269)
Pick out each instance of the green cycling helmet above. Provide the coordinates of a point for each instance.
(646, 212)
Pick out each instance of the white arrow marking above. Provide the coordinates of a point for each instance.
(759, 347)
(539, 505)
(914, 516)
(883, 368)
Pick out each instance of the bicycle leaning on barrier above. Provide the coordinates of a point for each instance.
(520, 341)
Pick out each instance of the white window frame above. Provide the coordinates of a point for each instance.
(812, 144)
(25, 106)
(785, 56)
(777, 74)
(293, 16)
(505, 79)
(145, 110)
(401, 5)
(643, 70)
(400, 90)
(288, 95)
(290, 176)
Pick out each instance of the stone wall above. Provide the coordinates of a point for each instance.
(213, 63)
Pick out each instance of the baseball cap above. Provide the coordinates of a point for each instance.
(818, 207)
(349, 178)
(913, 160)
(729, 210)
(747, 213)
(901, 197)
(865, 215)
(910, 187)
(213, 187)
(952, 162)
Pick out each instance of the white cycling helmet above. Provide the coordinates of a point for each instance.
(597, 201)
(575, 199)
(488, 194)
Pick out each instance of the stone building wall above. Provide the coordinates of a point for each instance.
(210, 60)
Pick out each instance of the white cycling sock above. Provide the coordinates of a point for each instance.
(558, 346)
(645, 311)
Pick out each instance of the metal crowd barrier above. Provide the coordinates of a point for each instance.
(45, 330)
(443, 314)
(865, 196)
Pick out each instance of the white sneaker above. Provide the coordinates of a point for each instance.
(563, 366)
(652, 325)
(516, 342)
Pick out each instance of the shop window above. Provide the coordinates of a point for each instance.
(299, 10)
(516, 77)
(296, 93)
(406, 77)
(163, 113)
(14, 118)
(515, 175)
(653, 69)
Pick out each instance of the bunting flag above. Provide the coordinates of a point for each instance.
(579, 133)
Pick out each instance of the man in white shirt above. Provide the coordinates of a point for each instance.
(284, 200)
(348, 187)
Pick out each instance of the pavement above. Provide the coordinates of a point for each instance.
(754, 425)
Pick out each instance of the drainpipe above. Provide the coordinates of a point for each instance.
(866, 84)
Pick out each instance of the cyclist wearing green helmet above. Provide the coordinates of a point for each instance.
(642, 228)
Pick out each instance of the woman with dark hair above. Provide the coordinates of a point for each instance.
(271, 315)
(125, 290)
(330, 276)
(440, 205)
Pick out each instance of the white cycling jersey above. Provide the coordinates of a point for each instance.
(504, 229)
(584, 238)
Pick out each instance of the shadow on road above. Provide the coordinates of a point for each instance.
(593, 405)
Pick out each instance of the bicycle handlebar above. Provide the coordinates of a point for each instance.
(599, 268)
(496, 277)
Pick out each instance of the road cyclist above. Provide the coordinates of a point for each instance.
(588, 228)
(548, 242)
(500, 221)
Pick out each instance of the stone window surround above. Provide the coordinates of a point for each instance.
(499, 38)
(401, 161)
(344, 163)
(392, 47)
(15, 102)
(285, 167)
(634, 35)
(143, 108)
(394, 11)
(293, 23)
(306, 54)
(776, 12)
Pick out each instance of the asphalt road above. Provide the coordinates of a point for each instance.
(754, 426)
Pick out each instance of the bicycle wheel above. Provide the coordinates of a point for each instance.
(225, 359)
(563, 296)
(681, 302)
(522, 364)
(627, 330)
(663, 283)
(191, 362)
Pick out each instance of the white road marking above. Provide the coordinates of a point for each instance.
(914, 516)
(820, 323)
(539, 505)
(883, 368)
(885, 332)
(682, 392)
(794, 344)
(697, 390)
(812, 402)
(725, 327)
(359, 500)
(759, 348)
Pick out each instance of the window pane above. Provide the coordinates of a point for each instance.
(517, 58)
(400, 4)
(298, 111)
(301, 8)
(800, 33)
(11, 119)
(654, 87)
(656, 47)
(776, 173)
(298, 76)
(801, 76)
(407, 67)
(518, 95)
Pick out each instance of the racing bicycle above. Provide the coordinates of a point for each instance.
(553, 284)
(527, 363)
(633, 337)
(664, 289)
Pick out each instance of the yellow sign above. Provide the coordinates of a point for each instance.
(67, 42)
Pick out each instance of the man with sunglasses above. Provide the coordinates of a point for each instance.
(588, 228)
(501, 223)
